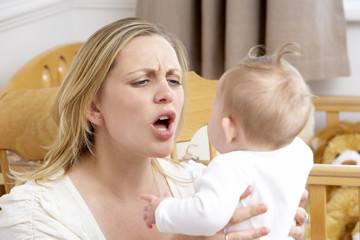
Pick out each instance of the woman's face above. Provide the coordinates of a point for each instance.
(142, 99)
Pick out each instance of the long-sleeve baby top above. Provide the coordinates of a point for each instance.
(277, 177)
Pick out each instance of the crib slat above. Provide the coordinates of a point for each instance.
(320, 177)
(317, 195)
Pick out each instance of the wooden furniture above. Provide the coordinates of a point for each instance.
(334, 105)
(321, 175)
(201, 95)
(45, 70)
(27, 128)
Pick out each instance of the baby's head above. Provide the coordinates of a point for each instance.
(267, 97)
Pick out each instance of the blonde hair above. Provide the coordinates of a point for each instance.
(268, 96)
(82, 83)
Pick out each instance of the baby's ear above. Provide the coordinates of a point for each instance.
(230, 129)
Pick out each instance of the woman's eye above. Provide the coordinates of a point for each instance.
(174, 82)
(140, 83)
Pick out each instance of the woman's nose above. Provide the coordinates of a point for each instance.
(164, 93)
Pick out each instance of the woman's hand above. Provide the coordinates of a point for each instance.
(240, 215)
(243, 214)
(301, 217)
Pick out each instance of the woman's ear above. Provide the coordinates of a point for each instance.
(230, 129)
(94, 115)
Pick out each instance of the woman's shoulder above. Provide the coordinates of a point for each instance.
(41, 210)
(33, 192)
(28, 194)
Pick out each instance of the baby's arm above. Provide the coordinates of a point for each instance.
(209, 210)
(150, 208)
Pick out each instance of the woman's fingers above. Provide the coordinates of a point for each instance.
(255, 233)
(245, 213)
(249, 235)
(304, 197)
(301, 216)
(246, 193)
(252, 234)
(297, 232)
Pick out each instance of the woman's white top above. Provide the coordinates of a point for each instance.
(57, 211)
(277, 177)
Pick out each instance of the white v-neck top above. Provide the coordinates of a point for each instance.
(57, 210)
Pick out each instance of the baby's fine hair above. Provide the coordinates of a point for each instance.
(268, 96)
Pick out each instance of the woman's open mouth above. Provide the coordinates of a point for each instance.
(163, 126)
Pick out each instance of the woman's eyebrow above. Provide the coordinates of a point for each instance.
(154, 71)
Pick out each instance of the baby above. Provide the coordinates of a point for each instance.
(260, 107)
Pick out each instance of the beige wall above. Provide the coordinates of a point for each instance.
(27, 28)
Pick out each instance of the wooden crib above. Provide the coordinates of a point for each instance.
(321, 175)
(201, 93)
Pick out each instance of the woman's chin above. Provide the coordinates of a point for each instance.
(163, 153)
(161, 150)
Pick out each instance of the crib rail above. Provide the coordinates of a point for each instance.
(320, 177)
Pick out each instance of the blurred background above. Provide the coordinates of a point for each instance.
(27, 28)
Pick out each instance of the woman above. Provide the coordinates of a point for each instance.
(118, 110)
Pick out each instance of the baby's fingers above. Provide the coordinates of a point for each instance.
(147, 197)
(149, 225)
(146, 217)
(145, 213)
(167, 195)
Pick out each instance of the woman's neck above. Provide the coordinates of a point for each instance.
(112, 194)
(123, 177)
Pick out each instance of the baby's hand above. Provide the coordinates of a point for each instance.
(149, 209)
